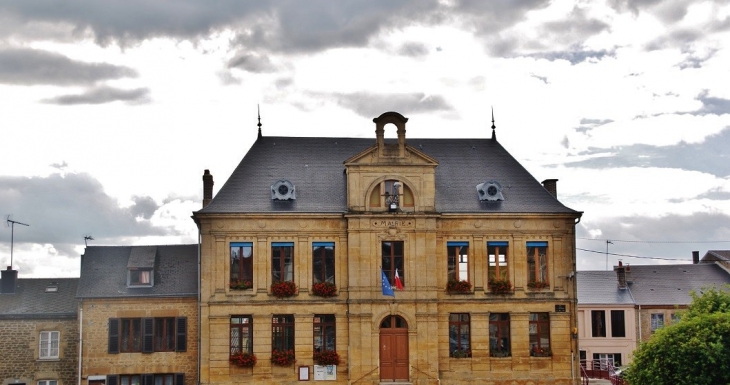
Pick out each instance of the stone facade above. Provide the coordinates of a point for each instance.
(20, 351)
(97, 361)
(360, 307)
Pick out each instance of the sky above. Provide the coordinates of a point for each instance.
(112, 110)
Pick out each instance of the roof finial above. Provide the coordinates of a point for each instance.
(258, 109)
(494, 134)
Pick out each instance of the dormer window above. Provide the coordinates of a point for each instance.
(140, 277)
(391, 194)
(141, 266)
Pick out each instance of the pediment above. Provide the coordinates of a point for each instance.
(390, 156)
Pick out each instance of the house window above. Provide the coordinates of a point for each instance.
(145, 379)
(657, 321)
(459, 335)
(164, 334)
(498, 269)
(48, 345)
(147, 335)
(323, 262)
(324, 332)
(134, 379)
(598, 323)
(242, 264)
(539, 334)
(282, 262)
(48, 382)
(140, 277)
(537, 262)
(386, 192)
(618, 324)
(164, 379)
(282, 332)
(241, 334)
(499, 335)
(675, 318)
(606, 360)
(393, 260)
(458, 261)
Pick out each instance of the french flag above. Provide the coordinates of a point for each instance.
(398, 283)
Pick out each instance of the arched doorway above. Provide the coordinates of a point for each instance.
(394, 349)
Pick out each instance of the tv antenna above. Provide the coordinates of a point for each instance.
(87, 238)
(11, 223)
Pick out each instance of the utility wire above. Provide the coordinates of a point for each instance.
(628, 241)
(633, 256)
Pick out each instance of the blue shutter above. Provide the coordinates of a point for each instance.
(537, 244)
(499, 243)
(457, 243)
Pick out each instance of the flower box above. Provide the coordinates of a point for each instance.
(327, 357)
(283, 357)
(324, 289)
(244, 360)
(538, 285)
(461, 353)
(240, 284)
(500, 286)
(499, 354)
(540, 352)
(283, 289)
(458, 287)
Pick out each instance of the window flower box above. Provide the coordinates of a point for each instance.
(240, 284)
(327, 357)
(283, 357)
(324, 289)
(244, 360)
(538, 285)
(458, 287)
(461, 353)
(540, 352)
(499, 354)
(500, 286)
(283, 289)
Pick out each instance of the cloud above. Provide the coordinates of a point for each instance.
(252, 63)
(711, 105)
(369, 105)
(101, 95)
(24, 66)
(413, 49)
(709, 156)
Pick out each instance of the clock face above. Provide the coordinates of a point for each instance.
(492, 190)
(283, 189)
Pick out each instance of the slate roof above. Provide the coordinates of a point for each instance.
(601, 288)
(717, 255)
(660, 285)
(31, 301)
(104, 272)
(315, 166)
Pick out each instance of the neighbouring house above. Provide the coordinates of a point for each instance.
(378, 260)
(39, 330)
(139, 315)
(720, 256)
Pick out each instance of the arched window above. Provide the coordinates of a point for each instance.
(391, 191)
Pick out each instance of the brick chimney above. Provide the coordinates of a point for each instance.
(207, 187)
(551, 185)
(621, 275)
(695, 257)
(9, 278)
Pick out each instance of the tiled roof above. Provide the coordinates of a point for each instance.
(104, 272)
(31, 300)
(601, 288)
(671, 284)
(717, 255)
(315, 166)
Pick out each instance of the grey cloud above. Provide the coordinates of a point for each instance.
(372, 105)
(60, 166)
(101, 95)
(283, 82)
(25, 66)
(62, 209)
(589, 124)
(711, 105)
(574, 56)
(709, 156)
(413, 49)
(252, 63)
(143, 207)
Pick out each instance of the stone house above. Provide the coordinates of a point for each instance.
(39, 330)
(138, 315)
(480, 258)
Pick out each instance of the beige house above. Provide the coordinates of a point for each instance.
(483, 252)
(138, 315)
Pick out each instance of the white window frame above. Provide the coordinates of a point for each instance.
(48, 346)
(48, 382)
(657, 321)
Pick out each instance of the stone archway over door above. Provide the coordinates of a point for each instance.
(394, 349)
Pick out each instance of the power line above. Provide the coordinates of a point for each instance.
(632, 256)
(632, 241)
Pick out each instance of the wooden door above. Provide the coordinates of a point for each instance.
(394, 349)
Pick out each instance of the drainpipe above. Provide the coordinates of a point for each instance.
(81, 337)
(198, 304)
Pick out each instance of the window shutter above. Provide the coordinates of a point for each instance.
(148, 379)
(182, 334)
(112, 379)
(113, 339)
(148, 340)
(179, 378)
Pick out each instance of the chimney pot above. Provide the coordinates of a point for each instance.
(9, 278)
(207, 187)
(695, 257)
(551, 185)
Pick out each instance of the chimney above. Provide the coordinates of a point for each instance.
(207, 187)
(9, 277)
(621, 275)
(695, 257)
(551, 185)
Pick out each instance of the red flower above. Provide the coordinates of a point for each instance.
(283, 289)
(327, 357)
(283, 357)
(458, 286)
(324, 289)
(244, 360)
